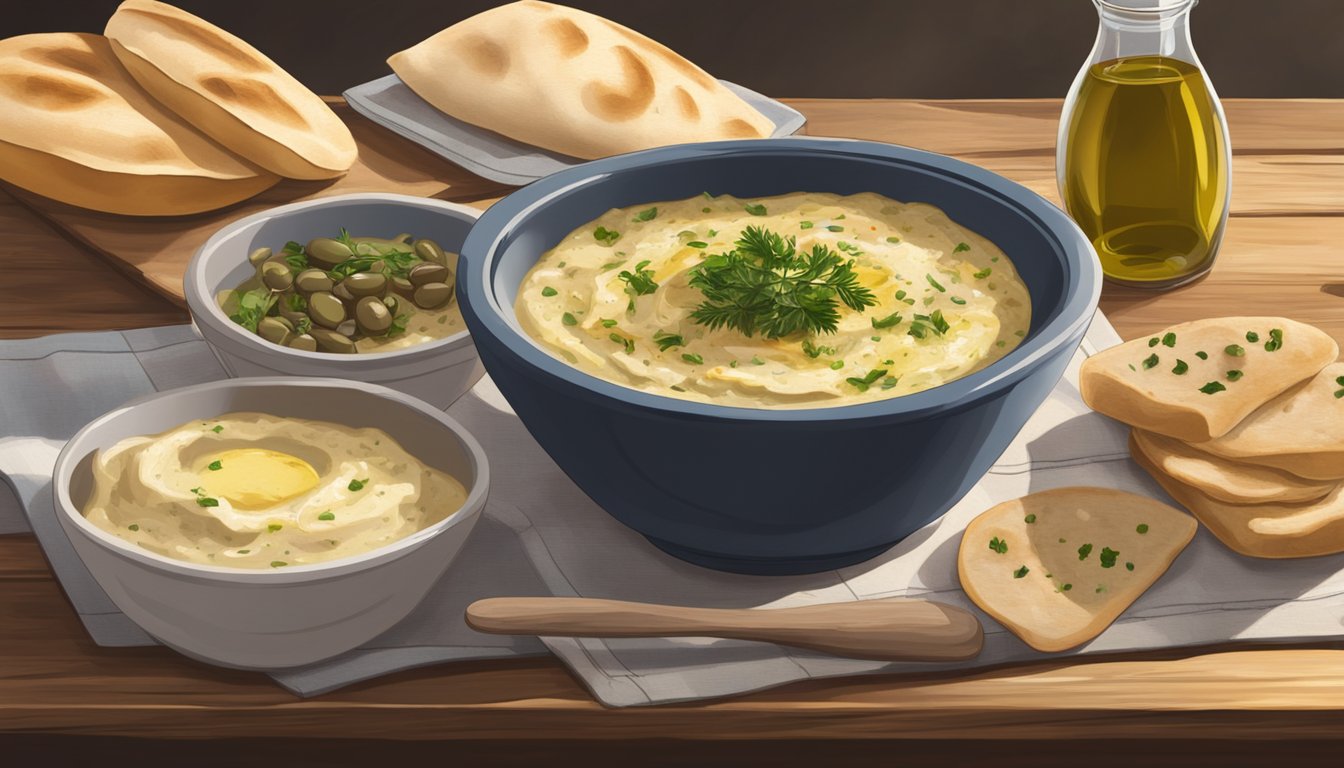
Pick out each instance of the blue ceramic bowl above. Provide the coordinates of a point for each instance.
(776, 491)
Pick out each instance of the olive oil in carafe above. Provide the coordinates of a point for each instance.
(1146, 173)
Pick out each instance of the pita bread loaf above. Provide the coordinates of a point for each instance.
(76, 128)
(1057, 567)
(572, 82)
(230, 91)
(1263, 530)
(1300, 431)
(1196, 381)
(1222, 479)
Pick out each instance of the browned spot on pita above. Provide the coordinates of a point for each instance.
(202, 38)
(150, 150)
(255, 96)
(686, 101)
(673, 58)
(50, 92)
(75, 60)
(622, 103)
(571, 40)
(485, 55)
(738, 128)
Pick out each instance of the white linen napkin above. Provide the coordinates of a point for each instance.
(541, 535)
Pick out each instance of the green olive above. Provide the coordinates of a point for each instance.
(363, 284)
(276, 276)
(256, 257)
(404, 238)
(343, 293)
(312, 281)
(326, 310)
(429, 272)
(373, 317)
(428, 250)
(326, 252)
(274, 330)
(433, 295)
(303, 342)
(402, 287)
(331, 341)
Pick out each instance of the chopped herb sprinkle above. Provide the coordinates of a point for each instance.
(327, 516)
(1153, 342)
(133, 527)
(893, 240)
(1141, 528)
(937, 286)
(1213, 387)
(278, 563)
(1275, 342)
(548, 292)
(1252, 336)
(1067, 587)
(666, 341)
(1202, 355)
(957, 300)
(804, 225)
(608, 323)
(868, 380)
(1029, 519)
(357, 485)
(982, 274)
(837, 365)
(961, 247)
(1233, 375)
(1020, 572)
(218, 428)
(273, 527)
(1149, 362)
(569, 319)
(693, 358)
(648, 214)
(1235, 350)
(1181, 368)
(998, 545)
(607, 237)
(698, 244)
(206, 501)
(1169, 340)
(755, 209)
(1084, 551)
(888, 321)
(1108, 556)
(835, 228)
(215, 465)
(1129, 566)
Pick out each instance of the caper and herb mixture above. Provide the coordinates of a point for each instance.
(346, 295)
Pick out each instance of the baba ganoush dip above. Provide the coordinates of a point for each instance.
(249, 490)
(801, 300)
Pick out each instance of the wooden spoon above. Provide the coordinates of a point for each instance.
(891, 629)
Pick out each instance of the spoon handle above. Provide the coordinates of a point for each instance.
(891, 629)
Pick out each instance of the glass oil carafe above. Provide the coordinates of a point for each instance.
(1143, 161)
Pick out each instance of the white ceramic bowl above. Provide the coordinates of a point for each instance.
(288, 616)
(437, 372)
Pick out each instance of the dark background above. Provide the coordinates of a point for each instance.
(835, 48)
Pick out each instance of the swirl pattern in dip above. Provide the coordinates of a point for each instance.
(949, 302)
(249, 490)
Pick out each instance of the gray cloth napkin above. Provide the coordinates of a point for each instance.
(541, 535)
(390, 103)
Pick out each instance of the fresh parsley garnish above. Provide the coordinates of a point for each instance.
(253, 306)
(835, 228)
(1235, 350)
(1233, 375)
(357, 485)
(569, 319)
(398, 325)
(868, 380)
(1202, 355)
(1020, 572)
(922, 324)
(1108, 556)
(1275, 342)
(548, 292)
(1212, 387)
(1149, 362)
(961, 247)
(886, 322)
(1029, 519)
(693, 358)
(701, 244)
(648, 214)
(207, 501)
(1181, 368)
(998, 545)
(215, 465)
(328, 515)
(1252, 336)
(629, 344)
(982, 274)
(765, 285)
(607, 237)
(666, 341)
(639, 282)
(1141, 528)
(755, 209)
(813, 351)
(1084, 551)
(608, 323)
(1169, 340)
(937, 285)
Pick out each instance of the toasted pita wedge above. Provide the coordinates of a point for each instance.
(1229, 481)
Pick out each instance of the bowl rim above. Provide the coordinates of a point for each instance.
(74, 451)
(206, 312)
(1075, 312)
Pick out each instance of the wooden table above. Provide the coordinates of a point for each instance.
(1282, 254)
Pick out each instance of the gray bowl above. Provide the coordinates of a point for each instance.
(437, 372)
(284, 617)
(776, 491)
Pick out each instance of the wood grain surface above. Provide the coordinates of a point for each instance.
(1282, 254)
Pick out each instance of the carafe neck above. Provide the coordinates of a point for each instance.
(1130, 28)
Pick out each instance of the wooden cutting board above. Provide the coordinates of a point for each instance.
(155, 250)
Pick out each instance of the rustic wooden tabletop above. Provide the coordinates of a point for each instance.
(1282, 254)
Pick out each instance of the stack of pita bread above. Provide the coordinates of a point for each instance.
(572, 82)
(166, 115)
(1241, 420)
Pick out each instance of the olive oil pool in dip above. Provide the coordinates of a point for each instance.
(1145, 169)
